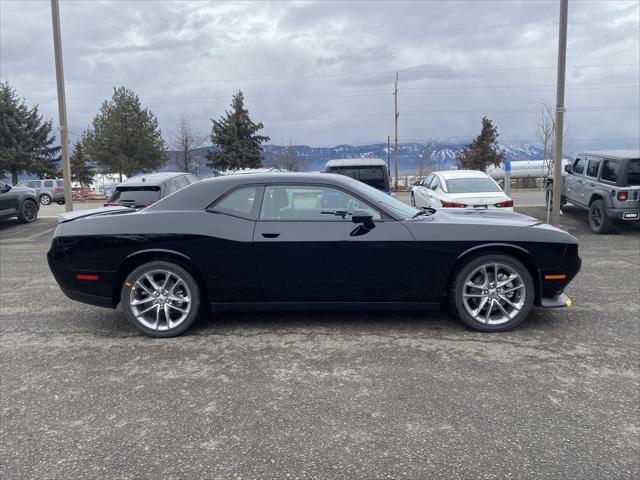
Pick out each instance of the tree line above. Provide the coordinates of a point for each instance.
(124, 139)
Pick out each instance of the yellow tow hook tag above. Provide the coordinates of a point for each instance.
(569, 302)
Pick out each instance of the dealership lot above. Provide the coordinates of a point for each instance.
(323, 395)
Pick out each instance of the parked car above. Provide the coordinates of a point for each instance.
(271, 241)
(371, 171)
(607, 183)
(459, 189)
(48, 190)
(144, 190)
(20, 202)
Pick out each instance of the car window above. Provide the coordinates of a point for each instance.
(239, 203)
(434, 183)
(60, 183)
(48, 183)
(426, 181)
(592, 167)
(34, 184)
(578, 166)
(610, 170)
(22, 184)
(182, 182)
(136, 195)
(633, 175)
(310, 203)
(170, 187)
(471, 185)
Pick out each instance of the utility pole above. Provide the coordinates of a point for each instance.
(395, 108)
(389, 154)
(62, 106)
(557, 150)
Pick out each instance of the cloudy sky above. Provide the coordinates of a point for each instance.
(321, 73)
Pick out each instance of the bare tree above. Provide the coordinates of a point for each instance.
(546, 131)
(424, 161)
(184, 142)
(287, 159)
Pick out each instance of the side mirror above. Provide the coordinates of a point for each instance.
(416, 183)
(365, 217)
(568, 168)
(5, 187)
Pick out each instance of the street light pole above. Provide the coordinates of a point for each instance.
(557, 150)
(62, 107)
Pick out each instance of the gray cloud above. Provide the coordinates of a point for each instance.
(321, 73)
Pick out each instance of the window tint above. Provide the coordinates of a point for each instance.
(633, 176)
(170, 187)
(314, 203)
(592, 168)
(136, 195)
(240, 202)
(34, 184)
(374, 175)
(578, 166)
(48, 183)
(610, 170)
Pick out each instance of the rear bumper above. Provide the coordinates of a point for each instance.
(624, 214)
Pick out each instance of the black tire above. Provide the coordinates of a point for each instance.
(156, 266)
(599, 222)
(45, 199)
(60, 202)
(28, 211)
(472, 264)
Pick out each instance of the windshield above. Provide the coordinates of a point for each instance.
(472, 185)
(136, 195)
(633, 176)
(399, 207)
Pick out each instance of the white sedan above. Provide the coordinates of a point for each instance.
(459, 189)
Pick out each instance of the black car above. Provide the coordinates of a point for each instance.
(143, 190)
(18, 202)
(307, 241)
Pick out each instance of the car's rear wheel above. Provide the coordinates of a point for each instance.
(45, 199)
(160, 299)
(28, 212)
(598, 220)
(492, 292)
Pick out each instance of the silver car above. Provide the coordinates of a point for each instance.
(47, 191)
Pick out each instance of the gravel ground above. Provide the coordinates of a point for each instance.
(324, 395)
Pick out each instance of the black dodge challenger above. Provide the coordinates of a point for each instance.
(307, 241)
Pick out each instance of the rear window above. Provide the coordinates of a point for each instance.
(136, 195)
(610, 170)
(471, 185)
(374, 176)
(633, 177)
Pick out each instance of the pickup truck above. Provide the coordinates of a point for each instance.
(606, 183)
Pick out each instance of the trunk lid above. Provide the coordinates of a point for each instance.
(70, 216)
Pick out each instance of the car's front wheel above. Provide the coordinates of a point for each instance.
(492, 292)
(160, 299)
(28, 212)
(45, 199)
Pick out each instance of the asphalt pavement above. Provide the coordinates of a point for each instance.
(323, 395)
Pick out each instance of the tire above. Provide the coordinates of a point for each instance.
(45, 199)
(28, 211)
(150, 314)
(516, 302)
(599, 222)
(60, 202)
(413, 199)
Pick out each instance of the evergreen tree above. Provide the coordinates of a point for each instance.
(125, 137)
(81, 171)
(26, 141)
(238, 139)
(483, 151)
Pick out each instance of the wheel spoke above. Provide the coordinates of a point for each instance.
(175, 307)
(152, 282)
(143, 287)
(167, 317)
(476, 312)
(511, 278)
(142, 300)
(148, 309)
(503, 309)
(511, 304)
(512, 289)
(473, 295)
(474, 285)
(488, 314)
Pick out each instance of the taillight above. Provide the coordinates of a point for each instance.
(57, 190)
(446, 204)
(506, 203)
(111, 204)
(622, 195)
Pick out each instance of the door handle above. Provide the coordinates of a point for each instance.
(270, 235)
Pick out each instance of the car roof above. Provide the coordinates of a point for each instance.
(449, 174)
(621, 154)
(355, 162)
(151, 178)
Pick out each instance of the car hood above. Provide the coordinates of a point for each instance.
(484, 225)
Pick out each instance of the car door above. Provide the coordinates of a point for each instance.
(573, 181)
(307, 249)
(436, 192)
(8, 201)
(590, 179)
(422, 192)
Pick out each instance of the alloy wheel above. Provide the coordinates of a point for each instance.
(494, 293)
(160, 300)
(45, 199)
(30, 211)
